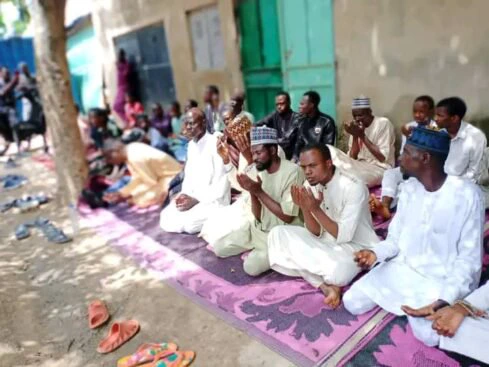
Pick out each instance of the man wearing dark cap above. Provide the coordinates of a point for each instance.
(433, 253)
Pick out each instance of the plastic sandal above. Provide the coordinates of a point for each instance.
(119, 333)
(52, 233)
(97, 314)
(176, 359)
(146, 353)
(22, 232)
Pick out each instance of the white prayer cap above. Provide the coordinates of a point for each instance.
(360, 103)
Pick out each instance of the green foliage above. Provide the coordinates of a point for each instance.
(21, 24)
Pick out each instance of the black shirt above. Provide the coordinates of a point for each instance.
(287, 129)
(320, 129)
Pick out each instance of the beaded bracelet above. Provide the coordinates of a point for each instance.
(473, 311)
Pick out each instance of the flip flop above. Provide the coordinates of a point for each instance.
(119, 333)
(146, 353)
(22, 232)
(175, 359)
(97, 314)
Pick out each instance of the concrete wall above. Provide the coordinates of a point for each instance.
(112, 18)
(395, 50)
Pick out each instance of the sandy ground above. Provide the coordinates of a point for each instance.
(45, 289)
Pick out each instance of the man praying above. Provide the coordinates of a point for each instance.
(337, 223)
(269, 188)
(371, 145)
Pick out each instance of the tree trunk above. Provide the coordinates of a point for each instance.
(48, 18)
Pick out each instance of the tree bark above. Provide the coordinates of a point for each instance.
(48, 18)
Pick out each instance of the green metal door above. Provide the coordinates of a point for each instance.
(260, 54)
(307, 48)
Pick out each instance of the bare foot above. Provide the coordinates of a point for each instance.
(378, 208)
(332, 295)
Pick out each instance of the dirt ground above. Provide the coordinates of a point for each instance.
(45, 289)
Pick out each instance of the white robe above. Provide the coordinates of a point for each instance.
(205, 180)
(366, 166)
(435, 247)
(295, 251)
(472, 336)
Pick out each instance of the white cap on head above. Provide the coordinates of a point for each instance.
(360, 103)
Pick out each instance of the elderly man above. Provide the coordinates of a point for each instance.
(337, 224)
(371, 145)
(285, 121)
(315, 127)
(468, 145)
(151, 172)
(433, 253)
(205, 186)
(271, 202)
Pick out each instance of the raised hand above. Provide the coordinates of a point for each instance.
(295, 191)
(309, 201)
(223, 149)
(248, 184)
(365, 258)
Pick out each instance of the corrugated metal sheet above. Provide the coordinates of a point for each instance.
(15, 50)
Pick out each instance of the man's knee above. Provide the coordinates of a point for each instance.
(356, 303)
(256, 263)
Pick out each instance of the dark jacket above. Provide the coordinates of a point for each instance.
(287, 129)
(320, 129)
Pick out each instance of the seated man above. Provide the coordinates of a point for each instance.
(151, 172)
(337, 224)
(423, 112)
(433, 252)
(271, 202)
(468, 145)
(284, 120)
(464, 327)
(205, 185)
(314, 127)
(371, 145)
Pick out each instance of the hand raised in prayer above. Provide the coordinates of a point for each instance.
(356, 129)
(243, 144)
(423, 311)
(309, 201)
(253, 187)
(447, 320)
(185, 202)
(348, 126)
(295, 192)
(223, 149)
(365, 258)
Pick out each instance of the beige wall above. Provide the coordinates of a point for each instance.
(395, 50)
(112, 18)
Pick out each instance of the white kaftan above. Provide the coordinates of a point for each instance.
(472, 336)
(295, 251)
(435, 250)
(250, 234)
(467, 157)
(205, 180)
(366, 166)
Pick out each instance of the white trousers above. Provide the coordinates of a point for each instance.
(294, 251)
(357, 303)
(190, 221)
(391, 183)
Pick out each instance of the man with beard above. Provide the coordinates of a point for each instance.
(338, 223)
(284, 120)
(315, 127)
(271, 202)
(205, 186)
(432, 255)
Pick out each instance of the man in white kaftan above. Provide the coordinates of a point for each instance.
(205, 186)
(340, 201)
(433, 252)
(371, 145)
(268, 182)
(468, 148)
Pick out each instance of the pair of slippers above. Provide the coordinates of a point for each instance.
(25, 203)
(49, 230)
(119, 332)
(158, 355)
